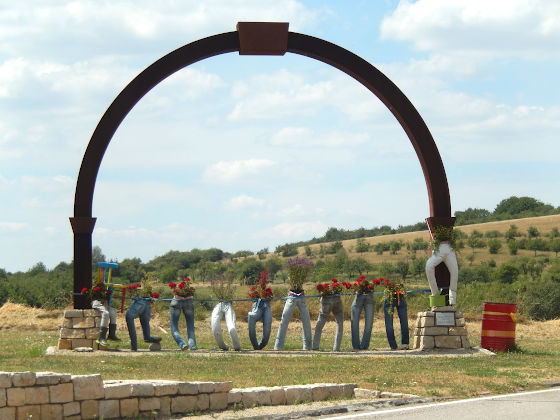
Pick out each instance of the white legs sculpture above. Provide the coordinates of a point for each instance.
(445, 254)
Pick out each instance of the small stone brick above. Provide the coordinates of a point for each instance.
(366, 393)
(205, 387)
(297, 393)
(459, 315)
(223, 386)
(277, 396)
(319, 392)
(61, 393)
(129, 407)
(460, 322)
(70, 409)
(165, 388)
(188, 388)
(8, 413)
(202, 402)
(73, 313)
(28, 412)
(64, 344)
(15, 396)
(444, 309)
(165, 406)
(51, 411)
(118, 390)
(433, 331)
(67, 322)
(82, 342)
(218, 401)
(88, 322)
(51, 378)
(183, 404)
(89, 409)
(465, 342)
(348, 390)
(5, 380)
(72, 333)
(457, 331)
(235, 396)
(109, 409)
(3, 398)
(88, 387)
(94, 313)
(448, 342)
(24, 379)
(142, 389)
(36, 395)
(148, 404)
(77, 417)
(425, 321)
(426, 342)
(92, 333)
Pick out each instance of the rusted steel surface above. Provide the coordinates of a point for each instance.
(344, 60)
(262, 38)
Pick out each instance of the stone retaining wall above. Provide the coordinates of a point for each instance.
(53, 396)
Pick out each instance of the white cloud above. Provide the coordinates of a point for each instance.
(500, 27)
(243, 201)
(293, 230)
(230, 171)
(13, 226)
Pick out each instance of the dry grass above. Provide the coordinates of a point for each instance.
(544, 224)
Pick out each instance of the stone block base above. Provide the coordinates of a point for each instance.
(441, 328)
(79, 329)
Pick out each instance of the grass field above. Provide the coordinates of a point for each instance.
(27, 332)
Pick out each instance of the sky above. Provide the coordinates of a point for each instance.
(245, 152)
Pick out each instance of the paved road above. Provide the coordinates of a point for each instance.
(536, 405)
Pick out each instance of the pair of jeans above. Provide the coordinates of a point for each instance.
(294, 300)
(260, 311)
(445, 254)
(362, 302)
(329, 304)
(140, 308)
(108, 314)
(185, 306)
(224, 310)
(399, 302)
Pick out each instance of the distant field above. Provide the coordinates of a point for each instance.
(544, 224)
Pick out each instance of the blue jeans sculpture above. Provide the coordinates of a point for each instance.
(400, 304)
(329, 304)
(294, 300)
(140, 308)
(224, 310)
(185, 306)
(362, 302)
(260, 311)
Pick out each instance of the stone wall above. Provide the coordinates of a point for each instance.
(53, 396)
(441, 327)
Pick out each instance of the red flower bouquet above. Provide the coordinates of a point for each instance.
(183, 289)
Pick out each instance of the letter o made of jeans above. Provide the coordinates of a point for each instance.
(260, 312)
(224, 310)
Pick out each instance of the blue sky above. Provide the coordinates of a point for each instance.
(242, 152)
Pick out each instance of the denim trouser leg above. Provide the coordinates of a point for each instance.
(329, 304)
(362, 302)
(224, 310)
(145, 316)
(289, 306)
(447, 255)
(403, 318)
(131, 314)
(140, 308)
(260, 311)
(186, 307)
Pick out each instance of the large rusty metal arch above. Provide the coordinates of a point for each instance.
(251, 38)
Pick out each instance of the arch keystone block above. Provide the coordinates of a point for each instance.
(262, 38)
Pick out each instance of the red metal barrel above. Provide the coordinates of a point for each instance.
(498, 326)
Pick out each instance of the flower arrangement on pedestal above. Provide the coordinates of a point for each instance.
(97, 292)
(183, 289)
(261, 291)
(393, 290)
(332, 288)
(144, 288)
(443, 234)
(298, 270)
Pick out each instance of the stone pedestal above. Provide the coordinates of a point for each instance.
(441, 328)
(80, 328)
